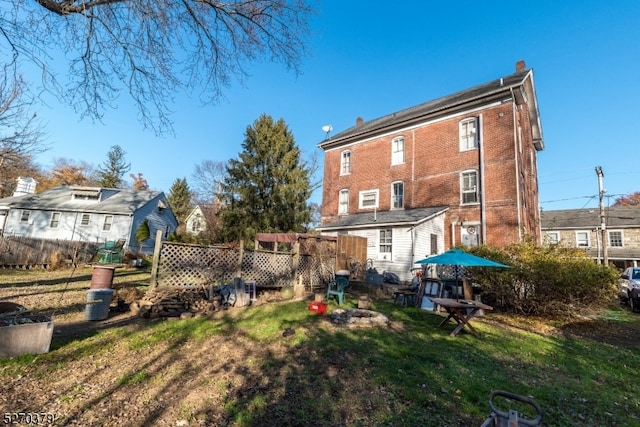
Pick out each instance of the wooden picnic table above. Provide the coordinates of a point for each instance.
(462, 311)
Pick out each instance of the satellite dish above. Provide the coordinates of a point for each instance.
(327, 128)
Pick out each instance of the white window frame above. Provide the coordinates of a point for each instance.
(55, 220)
(345, 162)
(552, 237)
(397, 150)
(468, 129)
(108, 223)
(385, 244)
(25, 216)
(469, 190)
(343, 202)
(395, 197)
(621, 245)
(368, 193)
(85, 220)
(587, 239)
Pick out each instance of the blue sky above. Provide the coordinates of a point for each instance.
(371, 58)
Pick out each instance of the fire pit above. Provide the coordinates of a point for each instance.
(359, 317)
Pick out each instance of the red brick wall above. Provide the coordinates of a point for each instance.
(431, 173)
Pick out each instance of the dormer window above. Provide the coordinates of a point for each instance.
(85, 193)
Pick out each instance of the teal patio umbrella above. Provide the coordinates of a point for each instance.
(460, 258)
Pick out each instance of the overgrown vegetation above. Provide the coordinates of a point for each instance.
(551, 280)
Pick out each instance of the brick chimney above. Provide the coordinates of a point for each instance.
(520, 66)
(359, 121)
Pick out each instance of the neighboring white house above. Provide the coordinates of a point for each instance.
(195, 222)
(396, 239)
(88, 214)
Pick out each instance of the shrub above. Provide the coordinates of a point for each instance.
(547, 280)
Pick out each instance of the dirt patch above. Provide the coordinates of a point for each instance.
(609, 331)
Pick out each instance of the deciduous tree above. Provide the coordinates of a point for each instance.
(632, 199)
(207, 179)
(150, 49)
(21, 135)
(139, 183)
(267, 187)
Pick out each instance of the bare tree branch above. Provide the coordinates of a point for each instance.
(151, 49)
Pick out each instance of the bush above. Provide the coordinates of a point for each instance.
(548, 280)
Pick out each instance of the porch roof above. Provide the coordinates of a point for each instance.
(384, 218)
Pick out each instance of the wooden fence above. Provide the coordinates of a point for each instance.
(28, 252)
(179, 264)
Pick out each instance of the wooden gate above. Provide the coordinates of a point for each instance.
(351, 254)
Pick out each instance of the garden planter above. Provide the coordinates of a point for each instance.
(29, 335)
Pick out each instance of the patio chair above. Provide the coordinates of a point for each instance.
(336, 288)
(112, 252)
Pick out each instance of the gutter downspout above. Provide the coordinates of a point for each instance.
(483, 203)
(517, 167)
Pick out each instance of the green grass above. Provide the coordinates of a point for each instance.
(412, 374)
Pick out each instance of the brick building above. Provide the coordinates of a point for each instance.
(458, 169)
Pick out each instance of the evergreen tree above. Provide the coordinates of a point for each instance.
(113, 169)
(180, 199)
(143, 233)
(266, 189)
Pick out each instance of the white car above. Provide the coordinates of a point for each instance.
(629, 288)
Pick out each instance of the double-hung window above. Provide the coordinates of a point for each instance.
(85, 220)
(553, 237)
(397, 150)
(469, 187)
(369, 199)
(468, 134)
(25, 216)
(397, 201)
(345, 163)
(385, 243)
(582, 239)
(343, 202)
(55, 220)
(108, 222)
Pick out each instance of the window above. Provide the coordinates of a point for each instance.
(434, 244)
(55, 219)
(369, 199)
(84, 221)
(343, 202)
(108, 221)
(385, 243)
(582, 239)
(615, 239)
(345, 163)
(397, 201)
(397, 151)
(469, 187)
(25, 216)
(468, 134)
(553, 237)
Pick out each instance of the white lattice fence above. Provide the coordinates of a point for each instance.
(189, 265)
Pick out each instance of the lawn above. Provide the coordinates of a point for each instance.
(236, 368)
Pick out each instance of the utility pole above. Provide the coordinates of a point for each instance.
(603, 225)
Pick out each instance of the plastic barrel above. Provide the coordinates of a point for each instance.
(98, 302)
(102, 277)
